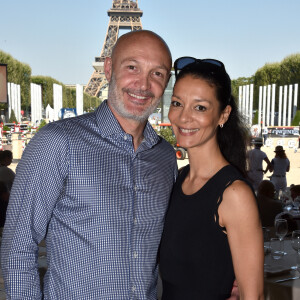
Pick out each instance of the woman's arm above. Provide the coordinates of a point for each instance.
(239, 214)
(269, 165)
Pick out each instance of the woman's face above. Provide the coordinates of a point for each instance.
(195, 112)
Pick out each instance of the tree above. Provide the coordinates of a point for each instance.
(42, 124)
(18, 73)
(268, 74)
(47, 88)
(255, 118)
(236, 83)
(13, 118)
(296, 120)
(168, 135)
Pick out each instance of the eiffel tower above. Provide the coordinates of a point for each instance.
(124, 14)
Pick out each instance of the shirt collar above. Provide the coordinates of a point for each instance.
(108, 125)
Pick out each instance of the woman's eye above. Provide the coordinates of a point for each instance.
(175, 103)
(200, 108)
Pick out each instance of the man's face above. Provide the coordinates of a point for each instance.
(138, 73)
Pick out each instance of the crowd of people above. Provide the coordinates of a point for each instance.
(273, 194)
(104, 191)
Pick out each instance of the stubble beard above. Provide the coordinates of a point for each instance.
(114, 100)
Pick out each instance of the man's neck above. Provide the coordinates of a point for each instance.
(132, 127)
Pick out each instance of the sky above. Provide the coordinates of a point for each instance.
(61, 38)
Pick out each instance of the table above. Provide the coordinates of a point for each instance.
(287, 290)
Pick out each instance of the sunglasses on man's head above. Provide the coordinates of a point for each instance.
(184, 61)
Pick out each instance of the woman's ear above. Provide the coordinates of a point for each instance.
(225, 115)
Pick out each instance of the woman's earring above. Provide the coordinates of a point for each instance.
(221, 125)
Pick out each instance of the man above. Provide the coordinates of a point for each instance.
(256, 158)
(96, 187)
(265, 134)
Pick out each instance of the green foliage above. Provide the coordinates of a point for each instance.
(13, 118)
(168, 135)
(68, 94)
(284, 73)
(290, 70)
(235, 83)
(90, 102)
(6, 128)
(268, 74)
(69, 97)
(296, 120)
(42, 124)
(47, 88)
(255, 118)
(18, 73)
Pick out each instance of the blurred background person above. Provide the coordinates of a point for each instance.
(280, 164)
(268, 206)
(255, 161)
(295, 191)
(7, 175)
(4, 197)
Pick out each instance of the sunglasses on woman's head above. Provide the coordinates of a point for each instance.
(184, 61)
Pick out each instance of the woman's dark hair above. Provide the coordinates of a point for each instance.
(233, 137)
(281, 154)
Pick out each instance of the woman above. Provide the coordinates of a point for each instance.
(280, 165)
(212, 229)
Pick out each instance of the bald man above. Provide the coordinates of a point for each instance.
(96, 187)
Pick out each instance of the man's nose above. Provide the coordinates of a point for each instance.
(143, 81)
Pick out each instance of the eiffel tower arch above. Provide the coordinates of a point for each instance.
(124, 14)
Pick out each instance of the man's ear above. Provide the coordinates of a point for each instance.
(168, 79)
(108, 68)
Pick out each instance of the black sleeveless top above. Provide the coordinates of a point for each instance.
(195, 258)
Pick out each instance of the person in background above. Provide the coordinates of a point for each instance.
(299, 138)
(295, 191)
(280, 164)
(7, 175)
(265, 134)
(4, 197)
(255, 160)
(96, 187)
(212, 231)
(267, 205)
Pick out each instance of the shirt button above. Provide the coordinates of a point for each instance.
(135, 221)
(135, 188)
(133, 288)
(125, 137)
(135, 255)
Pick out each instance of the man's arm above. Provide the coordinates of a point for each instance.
(269, 165)
(38, 183)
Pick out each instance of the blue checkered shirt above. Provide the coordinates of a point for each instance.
(99, 204)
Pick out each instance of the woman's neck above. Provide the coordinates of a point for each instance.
(205, 160)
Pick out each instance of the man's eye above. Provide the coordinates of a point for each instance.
(159, 74)
(175, 103)
(200, 108)
(131, 67)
